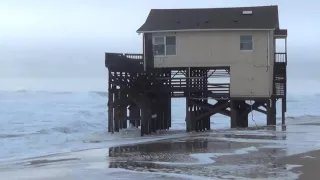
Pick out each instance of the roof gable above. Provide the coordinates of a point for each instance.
(262, 17)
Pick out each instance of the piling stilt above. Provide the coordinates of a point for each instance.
(123, 111)
(205, 96)
(111, 89)
(169, 114)
(116, 120)
(134, 115)
(242, 120)
(143, 121)
(110, 116)
(274, 110)
(206, 120)
(283, 111)
(234, 113)
(239, 113)
(271, 111)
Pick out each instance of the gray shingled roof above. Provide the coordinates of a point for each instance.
(263, 17)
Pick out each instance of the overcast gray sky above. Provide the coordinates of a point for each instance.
(53, 38)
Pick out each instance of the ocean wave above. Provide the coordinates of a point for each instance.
(3, 136)
(100, 93)
(293, 96)
(25, 91)
(302, 116)
(64, 130)
(292, 100)
(75, 127)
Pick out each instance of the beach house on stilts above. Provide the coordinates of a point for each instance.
(183, 51)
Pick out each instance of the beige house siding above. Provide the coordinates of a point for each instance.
(250, 71)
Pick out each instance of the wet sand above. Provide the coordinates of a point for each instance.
(308, 164)
(255, 153)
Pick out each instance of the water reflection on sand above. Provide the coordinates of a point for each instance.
(256, 152)
(207, 155)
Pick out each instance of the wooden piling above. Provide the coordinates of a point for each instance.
(271, 111)
(134, 115)
(239, 113)
(283, 111)
(274, 110)
(204, 87)
(234, 113)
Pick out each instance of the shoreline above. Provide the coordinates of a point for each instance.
(264, 152)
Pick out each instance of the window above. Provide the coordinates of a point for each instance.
(159, 46)
(246, 43)
(170, 45)
(164, 45)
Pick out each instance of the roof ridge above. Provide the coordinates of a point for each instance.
(238, 7)
(262, 17)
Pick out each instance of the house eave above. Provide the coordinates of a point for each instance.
(197, 30)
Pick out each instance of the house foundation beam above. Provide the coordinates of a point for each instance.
(205, 105)
(220, 105)
(261, 111)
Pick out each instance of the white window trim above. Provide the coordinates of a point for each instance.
(252, 43)
(165, 45)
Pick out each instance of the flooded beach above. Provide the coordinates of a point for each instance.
(210, 155)
(254, 153)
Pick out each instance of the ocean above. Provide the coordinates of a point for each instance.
(35, 121)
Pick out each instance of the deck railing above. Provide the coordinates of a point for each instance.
(180, 85)
(134, 56)
(280, 57)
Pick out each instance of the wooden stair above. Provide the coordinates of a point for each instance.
(280, 79)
